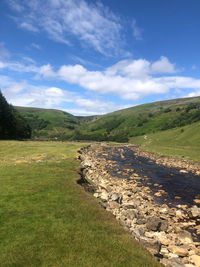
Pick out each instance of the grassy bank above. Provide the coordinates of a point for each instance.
(46, 219)
(182, 142)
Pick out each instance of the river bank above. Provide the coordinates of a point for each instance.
(166, 224)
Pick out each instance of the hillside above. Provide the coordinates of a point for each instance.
(182, 141)
(139, 120)
(52, 123)
(118, 126)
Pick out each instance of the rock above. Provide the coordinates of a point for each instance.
(194, 212)
(138, 233)
(113, 205)
(174, 262)
(164, 251)
(141, 220)
(153, 246)
(196, 201)
(115, 197)
(183, 171)
(164, 241)
(156, 224)
(104, 196)
(196, 260)
(158, 194)
(96, 195)
(164, 225)
(185, 237)
(180, 214)
(178, 251)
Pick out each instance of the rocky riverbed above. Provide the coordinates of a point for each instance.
(158, 202)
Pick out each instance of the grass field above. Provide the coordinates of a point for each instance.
(182, 142)
(46, 219)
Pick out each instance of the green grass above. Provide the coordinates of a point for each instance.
(182, 142)
(116, 126)
(46, 219)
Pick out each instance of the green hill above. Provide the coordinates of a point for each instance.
(52, 123)
(139, 120)
(181, 141)
(120, 126)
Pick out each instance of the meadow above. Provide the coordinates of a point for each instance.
(47, 219)
(179, 142)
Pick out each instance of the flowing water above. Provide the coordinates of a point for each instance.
(181, 188)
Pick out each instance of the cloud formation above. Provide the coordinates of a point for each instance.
(26, 94)
(92, 24)
(137, 32)
(129, 80)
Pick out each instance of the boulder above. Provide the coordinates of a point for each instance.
(182, 252)
(156, 224)
(194, 212)
(153, 246)
(113, 205)
(185, 237)
(115, 197)
(196, 260)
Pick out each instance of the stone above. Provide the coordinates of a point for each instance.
(196, 201)
(96, 195)
(104, 196)
(138, 233)
(153, 246)
(178, 251)
(174, 262)
(156, 224)
(185, 237)
(183, 171)
(113, 205)
(115, 197)
(158, 194)
(196, 260)
(194, 212)
(164, 241)
(180, 214)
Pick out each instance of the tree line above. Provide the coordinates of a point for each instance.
(12, 124)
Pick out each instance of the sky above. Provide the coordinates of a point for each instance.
(94, 57)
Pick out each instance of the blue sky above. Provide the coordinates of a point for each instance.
(94, 57)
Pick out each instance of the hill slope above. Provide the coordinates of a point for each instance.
(139, 120)
(117, 126)
(181, 141)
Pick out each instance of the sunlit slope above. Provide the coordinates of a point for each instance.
(147, 118)
(183, 141)
(118, 126)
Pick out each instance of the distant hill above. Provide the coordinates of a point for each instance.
(139, 120)
(118, 126)
(52, 123)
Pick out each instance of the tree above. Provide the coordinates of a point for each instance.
(12, 124)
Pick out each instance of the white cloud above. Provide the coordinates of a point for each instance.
(15, 5)
(137, 32)
(131, 68)
(37, 46)
(54, 91)
(163, 66)
(29, 27)
(93, 24)
(193, 94)
(127, 79)
(16, 88)
(25, 94)
(4, 53)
